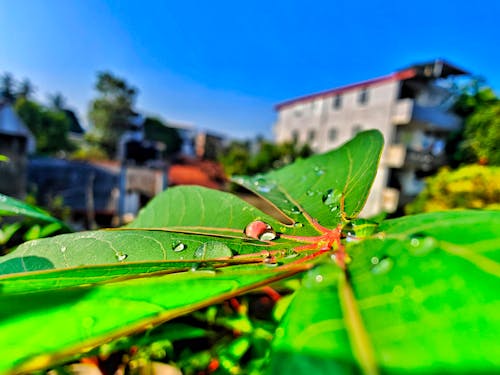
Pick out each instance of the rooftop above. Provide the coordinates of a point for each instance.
(429, 70)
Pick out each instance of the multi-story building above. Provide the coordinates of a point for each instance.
(411, 108)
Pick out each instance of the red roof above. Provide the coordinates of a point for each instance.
(203, 173)
(397, 76)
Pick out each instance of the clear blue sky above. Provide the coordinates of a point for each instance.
(223, 65)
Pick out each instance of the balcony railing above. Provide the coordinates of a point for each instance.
(407, 111)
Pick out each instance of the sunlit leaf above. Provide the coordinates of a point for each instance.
(425, 289)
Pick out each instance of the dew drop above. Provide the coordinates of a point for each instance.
(212, 250)
(260, 230)
(310, 193)
(178, 246)
(263, 186)
(121, 256)
(268, 235)
(63, 249)
(295, 210)
(291, 254)
(298, 225)
(381, 266)
(271, 261)
(420, 244)
(318, 171)
(331, 197)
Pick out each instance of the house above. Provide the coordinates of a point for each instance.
(412, 109)
(16, 142)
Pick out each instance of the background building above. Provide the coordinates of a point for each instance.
(16, 142)
(412, 109)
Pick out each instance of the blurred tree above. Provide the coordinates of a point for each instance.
(26, 89)
(471, 186)
(111, 112)
(238, 158)
(49, 127)
(482, 134)
(57, 101)
(157, 130)
(478, 141)
(7, 88)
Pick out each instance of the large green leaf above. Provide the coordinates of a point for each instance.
(108, 283)
(421, 296)
(315, 186)
(41, 328)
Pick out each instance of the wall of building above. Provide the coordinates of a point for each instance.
(333, 126)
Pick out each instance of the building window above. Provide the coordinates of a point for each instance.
(332, 134)
(295, 136)
(337, 101)
(356, 129)
(297, 113)
(363, 96)
(311, 136)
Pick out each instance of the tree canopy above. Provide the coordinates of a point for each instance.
(480, 107)
(112, 111)
(50, 127)
(241, 157)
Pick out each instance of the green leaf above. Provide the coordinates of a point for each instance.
(55, 324)
(419, 296)
(105, 284)
(314, 187)
(11, 206)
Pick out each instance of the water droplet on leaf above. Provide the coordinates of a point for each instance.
(270, 261)
(291, 254)
(381, 265)
(298, 225)
(332, 197)
(63, 249)
(310, 193)
(268, 235)
(263, 186)
(319, 171)
(121, 256)
(212, 250)
(178, 246)
(420, 244)
(260, 231)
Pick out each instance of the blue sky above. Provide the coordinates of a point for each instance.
(223, 65)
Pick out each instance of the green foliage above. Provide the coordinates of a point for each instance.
(156, 130)
(478, 141)
(50, 127)
(238, 157)
(36, 223)
(111, 111)
(415, 294)
(472, 186)
(482, 134)
(7, 88)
